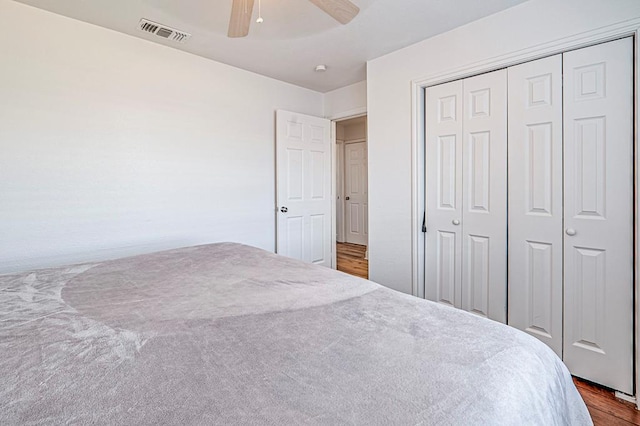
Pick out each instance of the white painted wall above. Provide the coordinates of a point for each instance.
(389, 106)
(112, 145)
(346, 101)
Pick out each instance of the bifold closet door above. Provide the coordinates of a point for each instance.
(535, 199)
(466, 194)
(484, 201)
(598, 213)
(444, 193)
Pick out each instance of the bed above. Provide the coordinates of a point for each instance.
(230, 334)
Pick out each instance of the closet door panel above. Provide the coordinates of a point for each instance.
(535, 199)
(484, 218)
(444, 193)
(598, 241)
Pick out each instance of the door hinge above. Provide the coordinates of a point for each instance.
(424, 222)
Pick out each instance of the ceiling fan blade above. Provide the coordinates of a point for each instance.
(240, 20)
(342, 11)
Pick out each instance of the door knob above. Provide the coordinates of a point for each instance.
(455, 222)
(346, 198)
(283, 209)
(571, 232)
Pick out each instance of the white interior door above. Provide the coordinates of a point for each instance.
(356, 193)
(340, 191)
(303, 174)
(535, 199)
(598, 217)
(443, 276)
(484, 196)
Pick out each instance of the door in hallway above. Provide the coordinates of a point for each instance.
(356, 197)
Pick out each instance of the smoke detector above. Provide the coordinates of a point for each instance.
(163, 31)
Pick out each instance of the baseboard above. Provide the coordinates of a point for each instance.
(625, 397)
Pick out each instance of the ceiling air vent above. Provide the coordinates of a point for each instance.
(163, 31)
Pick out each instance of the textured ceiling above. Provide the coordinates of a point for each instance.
(295, 35)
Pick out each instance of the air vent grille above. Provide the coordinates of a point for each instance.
(163, 31)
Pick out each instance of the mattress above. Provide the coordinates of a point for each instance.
(230, 334)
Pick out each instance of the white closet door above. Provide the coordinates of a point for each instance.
(535, 199)
(484, 217)
(598, 254)
(355, 160)
(444, 193)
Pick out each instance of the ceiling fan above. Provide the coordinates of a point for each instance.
(342, 11)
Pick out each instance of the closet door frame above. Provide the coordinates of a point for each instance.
(418, 86)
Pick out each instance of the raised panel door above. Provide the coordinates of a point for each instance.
(598, 216)
(535, 199)
(356, 193)
(444, 193)
(303, 174)
(484, 196)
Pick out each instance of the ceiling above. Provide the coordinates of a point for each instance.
(295, 36)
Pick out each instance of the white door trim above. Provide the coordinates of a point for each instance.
(354, 113)
(346, 115)
(334, 193)
(600, 35)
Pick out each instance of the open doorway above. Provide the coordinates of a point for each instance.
(352, 204)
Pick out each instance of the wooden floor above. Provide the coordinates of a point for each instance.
(351, 259)
(605, 409)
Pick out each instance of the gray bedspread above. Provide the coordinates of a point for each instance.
(229, 334)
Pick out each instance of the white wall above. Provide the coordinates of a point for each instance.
(112, 145)
(346, 101)
(389, 106)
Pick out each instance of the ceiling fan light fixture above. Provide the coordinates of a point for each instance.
(259, 20)
(342, 11)
(321, 68)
